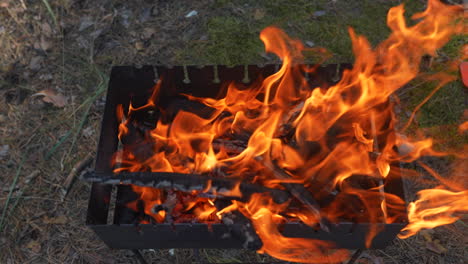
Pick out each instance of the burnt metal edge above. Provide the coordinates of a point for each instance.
(199, 235)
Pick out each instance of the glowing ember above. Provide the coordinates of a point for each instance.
(351, 126)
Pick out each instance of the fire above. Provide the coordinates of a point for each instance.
(435, 207)
(280, 131)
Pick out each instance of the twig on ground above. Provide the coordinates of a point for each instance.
(80, 166)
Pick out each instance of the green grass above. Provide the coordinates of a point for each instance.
(50, 11)
(445, 107)
(234, 38)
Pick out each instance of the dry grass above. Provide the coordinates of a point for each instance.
(69, 46)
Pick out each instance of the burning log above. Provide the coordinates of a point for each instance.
(234, 147)
(286, 129)
(217, 187)
(300, 193)
(167, 206)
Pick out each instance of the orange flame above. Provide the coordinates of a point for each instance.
(350, 127)
(435, 207)
(265, 218)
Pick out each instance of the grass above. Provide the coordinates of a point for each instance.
(445, 107)
(50, 11)
(10, 193)
(233, 39)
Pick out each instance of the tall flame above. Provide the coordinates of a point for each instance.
(338, 134)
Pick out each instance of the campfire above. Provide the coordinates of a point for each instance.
(298, 161)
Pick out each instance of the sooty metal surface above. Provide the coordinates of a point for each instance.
(129, 84)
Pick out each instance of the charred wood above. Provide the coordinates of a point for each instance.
(218, 187)
(299, 192)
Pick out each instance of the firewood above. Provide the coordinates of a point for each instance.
(168, 206)
(299, 192)
(234, 147)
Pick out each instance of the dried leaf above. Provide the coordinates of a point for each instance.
(45, 44)
(46, 29)
(427, 234)
(436, 247)
(59, 220)
(35, 63)
(52, 97)
(259, 14)
(34, 246)
(85, 22)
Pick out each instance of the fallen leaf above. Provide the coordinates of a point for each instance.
(85, 22)
(34, 246)
(59, 220)
(35, 63)
(52, 97)
(45, 43)
(46, 29)
(427, 234)
(436, 247)
(259, 14)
